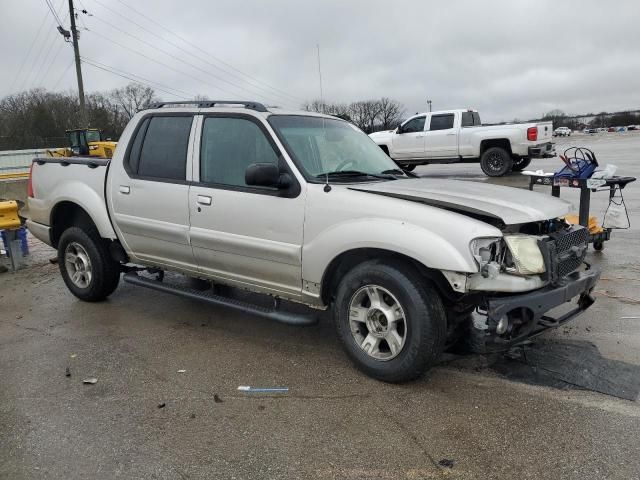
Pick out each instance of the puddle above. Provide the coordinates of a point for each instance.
(561, 364)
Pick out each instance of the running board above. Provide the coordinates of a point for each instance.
(210, 297)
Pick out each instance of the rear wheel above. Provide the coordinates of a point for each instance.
(392, 323)
(408, 168)
(86, 265)
(496, 162)
(520, 164)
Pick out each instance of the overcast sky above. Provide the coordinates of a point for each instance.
(508, 59)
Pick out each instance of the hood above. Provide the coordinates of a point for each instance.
(510, 205)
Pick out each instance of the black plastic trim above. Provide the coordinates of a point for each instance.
(65, 161)
(257, 106)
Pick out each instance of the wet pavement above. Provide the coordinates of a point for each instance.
(527, 415)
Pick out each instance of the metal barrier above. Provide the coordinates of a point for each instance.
(16, 163)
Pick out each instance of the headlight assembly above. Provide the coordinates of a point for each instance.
(526, 255)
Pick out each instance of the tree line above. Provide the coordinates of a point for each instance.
(38, 118)
(368, 115)
(600, 120)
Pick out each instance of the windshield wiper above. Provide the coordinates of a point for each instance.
(398, 171)
(353, 173)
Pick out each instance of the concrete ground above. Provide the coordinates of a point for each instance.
(465, 419)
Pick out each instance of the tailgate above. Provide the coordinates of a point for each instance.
(545, 132)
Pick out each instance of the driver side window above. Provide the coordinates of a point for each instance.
(413, 125)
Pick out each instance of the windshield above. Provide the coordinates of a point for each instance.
(322, 146)
(93, 136)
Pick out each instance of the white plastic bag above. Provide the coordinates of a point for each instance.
(616, 215)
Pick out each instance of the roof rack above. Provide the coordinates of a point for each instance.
(259, 107)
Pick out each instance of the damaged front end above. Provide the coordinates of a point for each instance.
(531, 270)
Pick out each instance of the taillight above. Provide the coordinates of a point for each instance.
(532, 134)
(30, 183)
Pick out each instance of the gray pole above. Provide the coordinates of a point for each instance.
(76, 53)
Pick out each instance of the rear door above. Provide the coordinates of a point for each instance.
(441, 136)
(150, 191)
(247, 235)
(408, 142)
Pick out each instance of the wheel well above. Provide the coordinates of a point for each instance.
(344, 262)
(65, 215)
(503, 143)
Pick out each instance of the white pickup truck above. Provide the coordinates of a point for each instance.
(305, 207)
(452, 136)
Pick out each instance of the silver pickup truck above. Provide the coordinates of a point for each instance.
(305, 207)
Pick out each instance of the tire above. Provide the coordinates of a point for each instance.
(520, 164)
(496, 162)
(419, 328)
(408, 168)
(598, 246)
(85, 254)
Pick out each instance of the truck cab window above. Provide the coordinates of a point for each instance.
(414, 125)
(228, 147)
(470, 119)
(441, 122)
(164, 148)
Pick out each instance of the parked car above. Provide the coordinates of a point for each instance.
(632, 127)
(611, 129)
(562, 132)
(452, 136)
(305, 207)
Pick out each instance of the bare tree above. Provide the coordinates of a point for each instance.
(133, 98)
(391, 113)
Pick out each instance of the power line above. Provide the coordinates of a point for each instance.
(175, 57)
(164, 28)
(54, 12)
(46, 43)
(158, 61)
(62, 76)
(24, 59)
(45, 61)
(46, 70)
(143, 79)
(131, 78)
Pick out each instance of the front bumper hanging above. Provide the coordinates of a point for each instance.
(537, 303)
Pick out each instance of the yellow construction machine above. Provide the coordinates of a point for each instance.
(85, 142)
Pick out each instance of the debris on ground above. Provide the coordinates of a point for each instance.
(193, 415)
(446, 462)
(248, 389)
(90, 380)
(162, 405)
(53, 260)
(67, 372)
(217, 399)
(3, 269)
(181, 371)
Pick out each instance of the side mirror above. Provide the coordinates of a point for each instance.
(266, 175)
(399, 129)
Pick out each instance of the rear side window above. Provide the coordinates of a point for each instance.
(163, 148)
(470, 119)
(228, 147)
(441, 122)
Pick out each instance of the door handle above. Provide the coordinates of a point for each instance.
(450, 134)
(124, 189)
(204, 200)
(419, 136)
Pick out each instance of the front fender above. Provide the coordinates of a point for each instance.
(398, 236)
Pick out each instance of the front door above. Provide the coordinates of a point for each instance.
(149, 192)
(441, 140)
(408, 142)
(248, 236)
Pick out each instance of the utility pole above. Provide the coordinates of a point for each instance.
(76, 53)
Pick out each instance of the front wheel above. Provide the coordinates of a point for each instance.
(520, 164)
(86, 265)
(391, 322)
(408, 168)
(496, 162)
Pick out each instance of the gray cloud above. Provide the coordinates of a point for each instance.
(509, 59)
